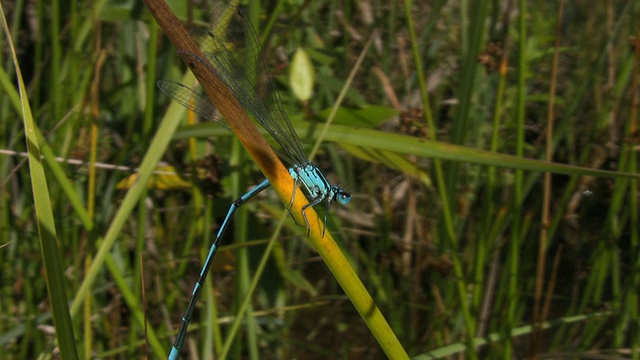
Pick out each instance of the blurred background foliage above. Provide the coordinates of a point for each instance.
(452, 251)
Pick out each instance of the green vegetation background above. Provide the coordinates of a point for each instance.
(442, 138)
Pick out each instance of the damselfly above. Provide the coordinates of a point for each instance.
(232, 51)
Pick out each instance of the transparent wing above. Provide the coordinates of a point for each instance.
(190, 99)
(232, 50)
(197, 103)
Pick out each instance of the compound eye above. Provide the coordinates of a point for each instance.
(343, 197)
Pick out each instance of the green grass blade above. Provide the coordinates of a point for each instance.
(46, 223)
(403, 144)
